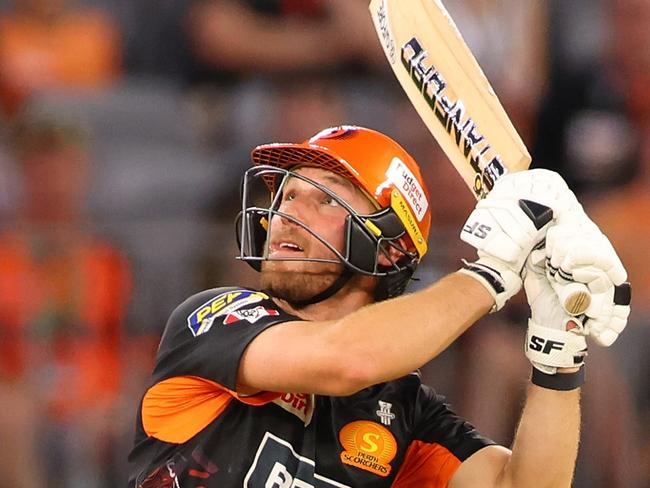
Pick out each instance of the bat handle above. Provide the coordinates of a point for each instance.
(574, 297)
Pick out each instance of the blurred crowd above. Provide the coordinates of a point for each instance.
(124, 130)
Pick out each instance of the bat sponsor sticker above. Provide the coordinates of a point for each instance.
(383, 27)
(409, 186)
(200, 320)
(453, 116)
(368, 446)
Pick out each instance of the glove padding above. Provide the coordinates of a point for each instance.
(554, 338)
(506, 225)
(583, 254)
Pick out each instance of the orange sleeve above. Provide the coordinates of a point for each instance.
(176, 409)
(426, 466)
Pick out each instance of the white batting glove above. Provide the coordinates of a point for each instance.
(554, 338)
(506, 225)
(581, 253)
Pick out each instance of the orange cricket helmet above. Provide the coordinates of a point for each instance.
(374, 163)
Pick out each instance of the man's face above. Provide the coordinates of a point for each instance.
(299, 280)
(55, 182)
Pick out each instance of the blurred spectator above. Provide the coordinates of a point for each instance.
(63, 294)
(154, 41)
(591, 128)
(241, 38)
(509, 38)
(623, 215)
(49, 44)
(237, 47)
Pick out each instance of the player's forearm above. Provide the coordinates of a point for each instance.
(395, 337)
(546, 443)
(376, 343)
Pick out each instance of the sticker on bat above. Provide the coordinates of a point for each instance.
(386, 34)
(453, 117)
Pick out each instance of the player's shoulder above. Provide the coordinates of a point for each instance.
(231, 306)
(201, 309)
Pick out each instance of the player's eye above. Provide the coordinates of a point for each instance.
(330, 201)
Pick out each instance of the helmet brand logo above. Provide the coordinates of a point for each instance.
(408, 185)
(332, 133)
(401, 208)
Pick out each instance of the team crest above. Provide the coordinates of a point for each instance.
(368, 446)
(201, 320)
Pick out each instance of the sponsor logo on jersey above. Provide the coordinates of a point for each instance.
(252, 315)
(200, 320)
(278, 465)
(408, 185)
(368, 446)
(299, 404)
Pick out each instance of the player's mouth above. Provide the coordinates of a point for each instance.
(285, 248)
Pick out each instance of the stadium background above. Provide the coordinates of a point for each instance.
(125, 127)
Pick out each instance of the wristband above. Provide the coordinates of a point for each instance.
(499, 280)
(559, 381)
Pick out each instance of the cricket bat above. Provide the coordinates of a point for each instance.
(450, 92)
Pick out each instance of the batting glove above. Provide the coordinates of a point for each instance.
(554, 338)
(583, 254)
(506, 225)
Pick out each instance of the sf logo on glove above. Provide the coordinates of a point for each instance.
(544, 346)
(477, 229)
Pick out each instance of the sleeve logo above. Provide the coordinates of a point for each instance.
(200, 320)
(252, 315)
(368, 446)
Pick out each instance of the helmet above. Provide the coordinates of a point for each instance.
(381, 169)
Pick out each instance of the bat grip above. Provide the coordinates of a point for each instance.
(574, 297)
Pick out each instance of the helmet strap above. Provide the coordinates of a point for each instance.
(339, 283)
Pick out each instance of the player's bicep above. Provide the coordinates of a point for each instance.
(293, 357)
(483, 468)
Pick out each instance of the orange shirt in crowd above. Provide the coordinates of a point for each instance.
(61, 315)
(78, 49)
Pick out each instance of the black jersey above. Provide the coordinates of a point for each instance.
(194, 430)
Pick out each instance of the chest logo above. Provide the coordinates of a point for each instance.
(384, 413)
(368, 446)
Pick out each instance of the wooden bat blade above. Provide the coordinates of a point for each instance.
(453, 97)
(449, 90)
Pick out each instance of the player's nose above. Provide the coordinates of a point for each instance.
(289, 211)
